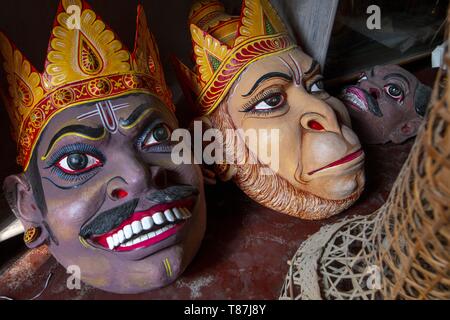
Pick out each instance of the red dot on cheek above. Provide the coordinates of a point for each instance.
(313, 124)
(119, 193)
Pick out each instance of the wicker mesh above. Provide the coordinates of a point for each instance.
(402, 250)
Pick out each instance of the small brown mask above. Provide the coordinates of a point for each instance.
(387, 104)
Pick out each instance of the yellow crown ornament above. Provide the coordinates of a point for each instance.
(225, 45)
(85, 63)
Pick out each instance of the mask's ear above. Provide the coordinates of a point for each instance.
(19, 194)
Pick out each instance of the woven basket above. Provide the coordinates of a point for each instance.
(401, 251)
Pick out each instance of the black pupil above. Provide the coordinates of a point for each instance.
(77, 161)
(274, 101)
(161, 133)
(395, 91)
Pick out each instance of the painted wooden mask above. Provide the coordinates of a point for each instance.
(250, 75)
(387, 104)
(93, 133)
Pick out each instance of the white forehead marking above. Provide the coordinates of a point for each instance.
(299, 69)
(108, 116)
(297, 73)
(107, 113)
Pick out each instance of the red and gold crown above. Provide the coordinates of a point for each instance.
(225, 45)
(85, 63)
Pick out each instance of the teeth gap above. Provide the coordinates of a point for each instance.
(147, 227)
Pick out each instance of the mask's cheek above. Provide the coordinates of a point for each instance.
(94, 271)
(405, 130)
(64, 228)
(290, 148)
(67, 212)
(274, 142)
(351, 137)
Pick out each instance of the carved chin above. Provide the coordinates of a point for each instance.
(276, 193)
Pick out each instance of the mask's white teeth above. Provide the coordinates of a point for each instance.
(136, 226)
(128, 231)
(166, 228)
(147, 236)
(353, 98)
(143, 238)
(177, 213)
(116, 240)
(147, 223)
(159, 218)
(121, 236)
(169, 215)
(110, 242)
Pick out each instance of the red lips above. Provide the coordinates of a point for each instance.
(345, 159)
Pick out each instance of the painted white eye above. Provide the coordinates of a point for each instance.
(160, 133)
(77, 163)
(395, 92)
(363, 77)
(317, 87)
(271, 103)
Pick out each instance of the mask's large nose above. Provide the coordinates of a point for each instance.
(316, 115)
(136, 176)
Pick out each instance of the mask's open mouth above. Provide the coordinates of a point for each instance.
(146, 228)
(360, 100)
(356, 98)
(348, 158)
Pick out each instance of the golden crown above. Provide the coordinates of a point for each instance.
(85, 63)
(225, 45)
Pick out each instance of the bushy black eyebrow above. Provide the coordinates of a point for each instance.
(265, 77)
(134, 116)
(94, 133)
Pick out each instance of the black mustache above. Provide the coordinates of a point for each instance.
(373, 104)
(172, 194)
(111, 219)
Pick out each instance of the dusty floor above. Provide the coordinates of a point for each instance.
(244, 254)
